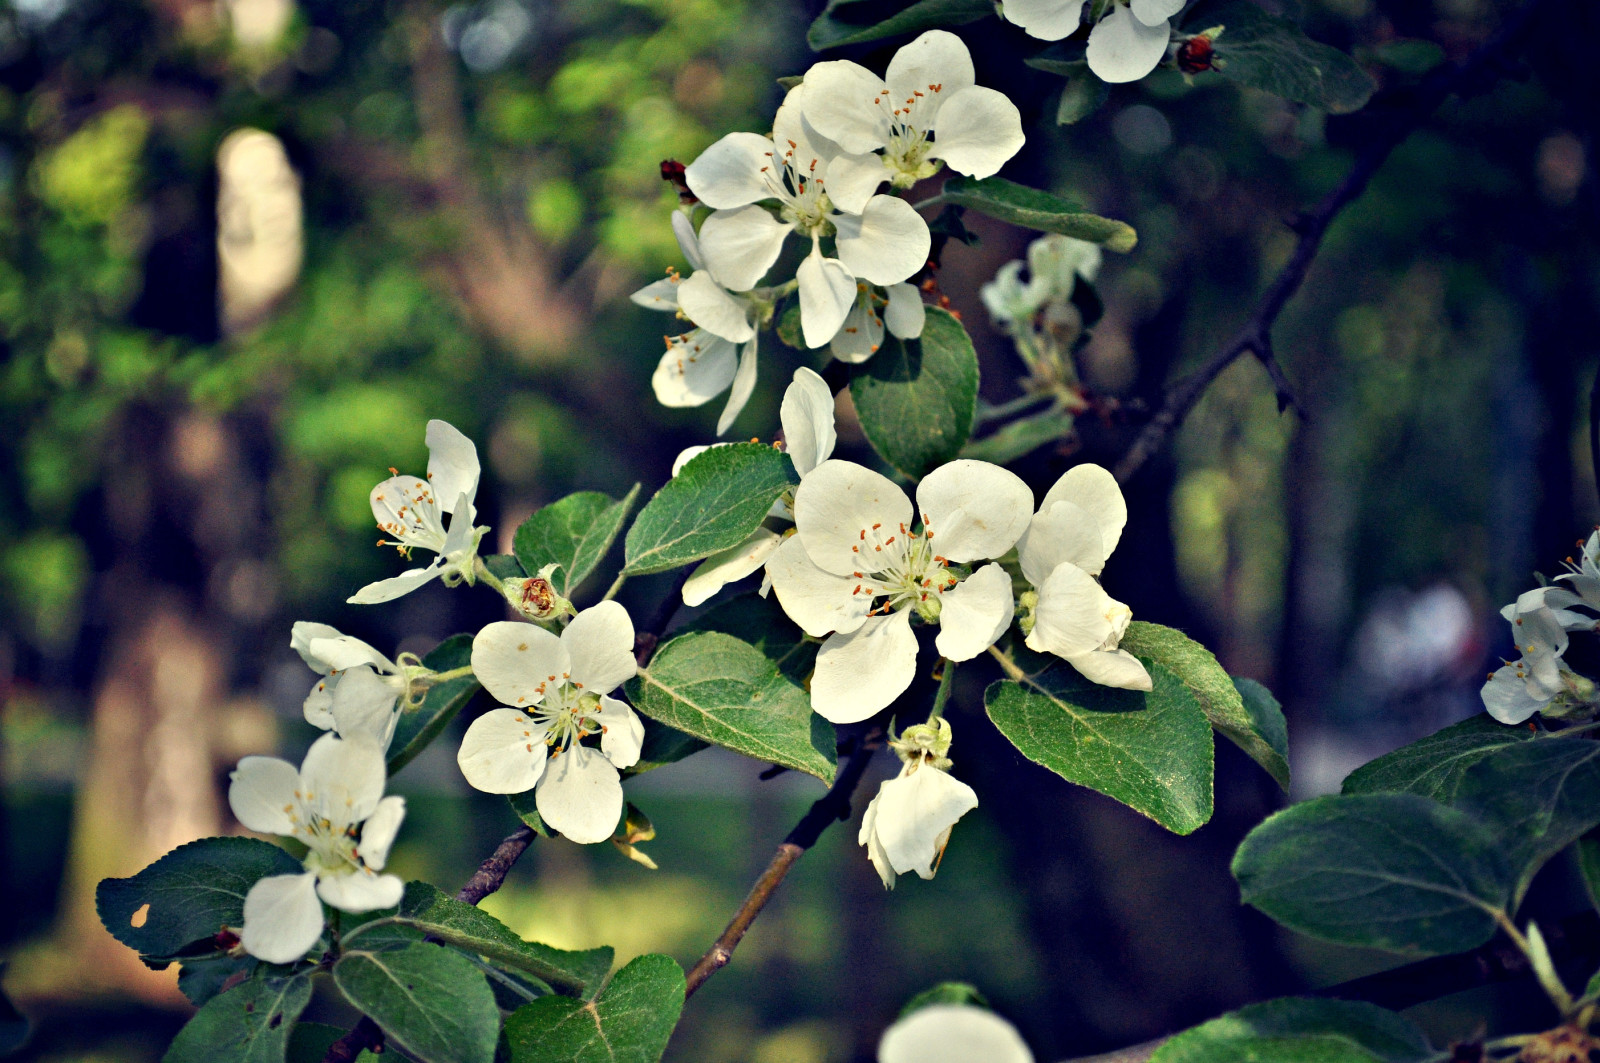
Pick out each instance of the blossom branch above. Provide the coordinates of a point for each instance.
(1393, 118)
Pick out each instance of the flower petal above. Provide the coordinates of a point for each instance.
(262, 794)
(905, 313)
(744, 382)
(515, 662)
(807, 419)
(839, 506)
(303, 634)
(839, 104)
(377, 833)
(820, 602)
(827, 292)
(282, 918)
(734, 563)
(360, 891)
(1061, 533)
(1071, 617)
(860, 673)
(386, 590)
(809, 148)
(869, 837)
(1096, 490)
(453, 467)
(915, 814)
(709, 305)
(623, 737)
(580, 795)
(975, 509)
(342, 778)
(696, 369)
(1121, 48)
(1048, 20)
(936, 64)
(854, 179)
(600, 643)
(1505, 695)
(318, 706)
(659, 295)
(339, 652)
(740, 245)
(728, 174)
(688, 242)
(979, 130)
(862, 332)
(953, 1033)
(365, 704)
(1112, 668)
(975, 613)
(886, 244)
(503, 752)
(1155, 12)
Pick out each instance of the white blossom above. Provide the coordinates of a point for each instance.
(897, 307)
(334, 804)
(1582, 586)
(1127, 42)
(1055, 264)
(1538, 679)
(556, 690)
(359, 689)
(908, 823)
(953, 1033)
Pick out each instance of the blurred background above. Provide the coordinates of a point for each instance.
(249, 247)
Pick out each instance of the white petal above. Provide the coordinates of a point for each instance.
(581, 795)
(462, 535)
(886, 244)
(366, 704)
(453, 467)
(840, 506)
(979, 130)
(696, 369)
(360, 891)
(938, 57)
(953, 1033)
(659, 295)
(744, 382)
(318, 707)
(728, 174)
(734, 563)
(854, 179)
(1096, 490)
(688, 242)
(623, 736)
(301, 637)
(261, 794)
(869, 838)
(1155, 12)
(975, 613)
(1071, 617)
(1112, 668)
(709, 305)
(905, 313)
(515, 662)
(1505, 696)
(807, 418)
(818, 601)
(861, 672)
(740, 245)
(1061, 533)
(386, 590)
(503, 752)
(282, 918)
(377, 833)
(1121, 48)
(343, 778)
(975, 509)
(862, 332)
(339, 652)
(839, 104)
(1048, 20)
(811, 149)
(827, 292)
(915, 814)
(600, 643)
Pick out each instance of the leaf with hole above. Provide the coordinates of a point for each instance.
(916, 398)
(717, 499)
(575, 533)
(630, 1022)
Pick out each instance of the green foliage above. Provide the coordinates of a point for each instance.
(763, 624)
(1083, 95)
(415, 729)
(1150, 751)
(1435, 766)
(309, 1042)
(856, 21)
(202, 977)
(1386, 871)
(1267, 722)
(1273, 54)
(662, 745)
(1299, 1030)
(248, 1024)
(916, 398)
(714, 502)
(629, 1022)
(945, 993)
(432, 1002)
(1035, 209)
(526, 806)
(1022, 436)
(575, 533)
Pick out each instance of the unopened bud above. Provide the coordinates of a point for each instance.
(1198, 54)
(535, 597)
(636, 827)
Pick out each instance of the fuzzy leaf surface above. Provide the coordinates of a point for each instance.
(714, 502)
(574, 532)
(917, 398)
(630, 1022)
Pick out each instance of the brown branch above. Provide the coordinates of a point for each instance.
(1392, 118)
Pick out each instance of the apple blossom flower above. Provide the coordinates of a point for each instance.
(898, 307)
(883, 242)
(1127, 41)
(953, 1033)
(359, 689)
(908, 822)
(413, 511)
(556, 691)
(859, 565)
(1064, 549)
(1539, 680)
(1055, 264)
(334, 804)
(927, 109)
(1582, 581)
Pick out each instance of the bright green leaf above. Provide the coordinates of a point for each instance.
(1299, 1030)
(916, 398)
(248, 1024)
(575, 533)
(1022, 436)
(630, 1022)
(854, 21)
(432, 1002)
(1434, 766)
(1033, 209)
(1275, 55)
(440, 705)
(763, 624)
(714, 502)
(945, 993)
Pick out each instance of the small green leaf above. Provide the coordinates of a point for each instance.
(916, 398)
(440, 705)
(1386, 871)
(1409, 56)
(1150, 751)
(1266, 719)
(1032, 209)
(714, 502)
(1022, 436)
(727, 692)
(432, 1002)
(1068, 58)
(630, 1022)
(189, 894)
(1275, 55)
(203, 977)
(1299, 1030)
(789, 330)
(526, 807)
(248, 1024)
(1083, 95)
(854, 21)
(574, 533)
(945, 993)
(1434, 766)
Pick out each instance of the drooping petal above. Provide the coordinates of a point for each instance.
(282, 918)
(688, 242)
(386, 590)
(1112, 668)
(741, 244)
(861, 672)
(1096, 490)
(1121, 48)
(915, 814)
(623, 736)
(515, 662)
(580, 795)
(869, 838)
(887, 243)
(366, 703)
(360, 891)
(1048, 20)
(840, 507)
(979, 130)
(854, 179)
(840, 104)
(659, 295)
(709, 305)
(953, 1033)
(600, 643)
(827, 292)
(303, 634)
(728, 174)
(734, 563)
(975, 509)
(503, 752)
(453, 467)
(338, 652)
(1155, 12)
(937, 65)
(818, 601)
(261, 794)
(1507, 697)
(744, 383)
(807, 419)
(905, 313)
(342, 778)
(1061, 533)
(862, 332)
(975, 613)
(696, 369)
(1072, 615)
(377, 833)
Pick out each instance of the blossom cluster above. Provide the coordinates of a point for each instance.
(1539, 680)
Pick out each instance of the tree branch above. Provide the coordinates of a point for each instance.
(1393, 118)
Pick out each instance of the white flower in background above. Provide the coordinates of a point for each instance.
(899, 307)
(1055, 263)
(908, 822)
(857, 568)
(1583, 584)
(953, 1033)
(558, 688)
(883, 242)
(926, 109)
(720, 353)
(1539, 680)
(335, 805)
(1126, 43)
(1065, 547)
(360, 688)
(412, 511)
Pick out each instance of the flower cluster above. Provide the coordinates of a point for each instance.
(1539, 680)
(1128, 40)
(1039, 313)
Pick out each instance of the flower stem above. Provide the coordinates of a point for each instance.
(481, 571)
(1533, 947)
(1006, 409)
(616, 585)
(946, 683)
(1007, 664)
(444, 677)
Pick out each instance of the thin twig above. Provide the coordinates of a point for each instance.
(491, 874)
(1393, 118)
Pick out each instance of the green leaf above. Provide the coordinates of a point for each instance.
(1274, 55)
(1589, 866)
(1409, 56)
(1068, 58)
(1083, 95)
(663, 745)
(763, 624)
(189, 894)
(203, 977)
(1300, 1030)
(248, 1024)
(1150, 751)
(714, 502)
(853, 21)
(945, 993)
(470, 928)
(789, 330)
(422, 725)
(525, 805)
(1022, 436)
(1434, 766)
(1267, 722)
(727, 692)
(1386, 871)
(575, 533)
(503, 566)
(432, 1002)
(916, 398)
(1033, 209)
(309, 1041)
(1223, 702)
(1540, 796)
(630, 1022)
